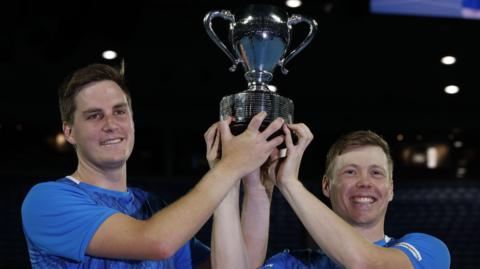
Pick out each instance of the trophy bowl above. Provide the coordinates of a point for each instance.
(259, 38)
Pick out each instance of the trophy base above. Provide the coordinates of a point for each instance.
(238, 128)
(245, 105)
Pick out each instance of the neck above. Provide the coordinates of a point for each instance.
(112, 179)
(372, 232)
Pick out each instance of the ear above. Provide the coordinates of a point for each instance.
(326, 186)
(67, 132)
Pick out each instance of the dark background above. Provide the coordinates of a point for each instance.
(361, 71)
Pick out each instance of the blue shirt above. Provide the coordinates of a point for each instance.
(424, 252)
(61, 217)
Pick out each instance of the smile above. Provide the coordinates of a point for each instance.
(363, 199)
(111, 141)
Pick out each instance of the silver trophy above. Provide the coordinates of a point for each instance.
(259, 36)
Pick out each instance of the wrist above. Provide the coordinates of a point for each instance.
(226, 170)
(290, 185)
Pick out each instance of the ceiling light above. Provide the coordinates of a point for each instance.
(293, 3)
(452, 89)
(448, 60)
(109, 54)
(432, 157)
(458, 144)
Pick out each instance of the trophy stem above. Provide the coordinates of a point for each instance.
(258, 78)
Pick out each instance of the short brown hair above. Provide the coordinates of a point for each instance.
(353, 139)
(79, 79)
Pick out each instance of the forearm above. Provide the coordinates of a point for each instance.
(332, 234)
(228, 248)
(189, 213)
(255, 223)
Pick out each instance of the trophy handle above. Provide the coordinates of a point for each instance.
(207, 23)
(293, 20)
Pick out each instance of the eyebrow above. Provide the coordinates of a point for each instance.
(94, 110)
(357, 166)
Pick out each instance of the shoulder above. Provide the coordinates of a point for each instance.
(53, 198)
(424, 249)
(422, 239)
(43, 194)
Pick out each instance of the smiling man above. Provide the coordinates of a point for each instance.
(93, 219)
(359, 183)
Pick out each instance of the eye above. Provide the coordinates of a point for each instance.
(378, 173)
(120, 112)
(350, 172)
(94, 116)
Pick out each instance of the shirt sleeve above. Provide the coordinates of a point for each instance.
(61, 219)
(424, 251)
(192, 254)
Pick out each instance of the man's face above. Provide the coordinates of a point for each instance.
(103, 131)
(360, 189)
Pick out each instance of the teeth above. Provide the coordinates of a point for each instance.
(363, 200)
(112, 141)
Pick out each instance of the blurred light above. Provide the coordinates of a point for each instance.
(19, 127)
(419, 137)
(458, 144)
(448, 60)
(418, 158)
(272, 88)
(293, 3)
(400, 137)
(461, 171)
(432, 157)
(109, 54)
(60, 140)
(452, 89)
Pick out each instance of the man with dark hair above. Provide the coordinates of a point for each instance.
(92, 219)
(358, 181)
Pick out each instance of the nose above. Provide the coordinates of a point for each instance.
(364, 181)
(110, 124)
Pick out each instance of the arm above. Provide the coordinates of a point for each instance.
(227, 242)
(336, 237)
(234, 243)
(255, 220)
(333, 235)
(121, 236)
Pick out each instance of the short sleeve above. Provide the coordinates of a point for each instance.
(191, 254)
(278, 261)
(424, 251)
(61, 219)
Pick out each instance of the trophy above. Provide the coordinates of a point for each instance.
(259, 36)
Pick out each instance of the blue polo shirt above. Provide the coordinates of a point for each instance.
(423, 250)
(61, 217)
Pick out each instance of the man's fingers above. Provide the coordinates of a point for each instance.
(210, 135)
(273, 127)
(224, 128)
(274, 142)
(303, 133)
(288, 136)
(256, 121)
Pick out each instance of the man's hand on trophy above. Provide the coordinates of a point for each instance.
(284, 169)
(250, 149)
(212, 141)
